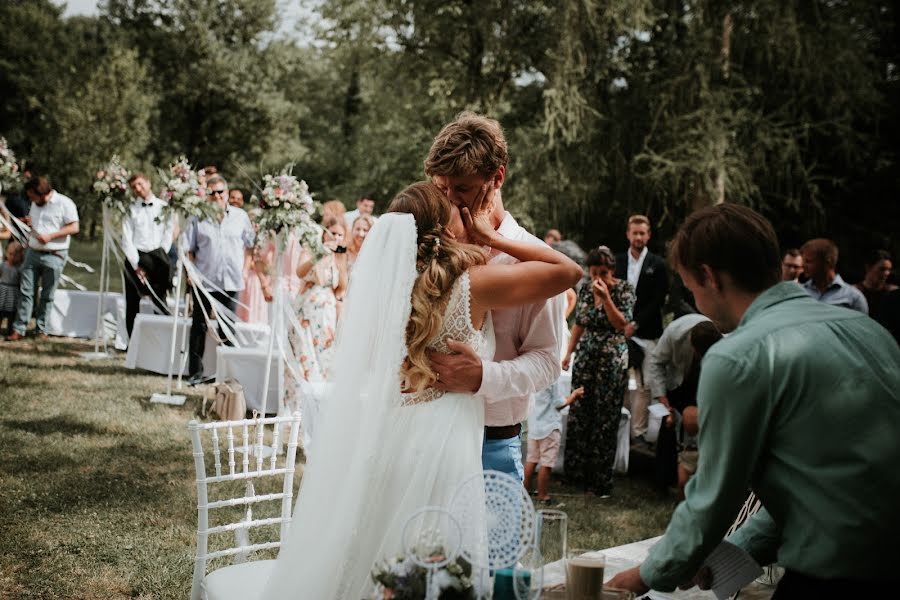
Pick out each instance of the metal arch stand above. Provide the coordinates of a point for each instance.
(169, 397)
(100, 330)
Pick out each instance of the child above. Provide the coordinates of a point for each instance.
(544, 430)
(10, 274)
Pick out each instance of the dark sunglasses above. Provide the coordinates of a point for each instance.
(216, 192)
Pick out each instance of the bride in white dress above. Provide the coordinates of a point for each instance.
(387, 443)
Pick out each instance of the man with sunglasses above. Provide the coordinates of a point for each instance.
(218, 247)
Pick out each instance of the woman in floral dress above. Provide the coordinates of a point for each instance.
(601, 358)
(316, 307)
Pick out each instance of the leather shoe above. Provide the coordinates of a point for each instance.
(15, 336)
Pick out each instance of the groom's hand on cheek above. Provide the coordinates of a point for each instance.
(457, 372)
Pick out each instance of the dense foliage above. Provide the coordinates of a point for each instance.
(611, 107)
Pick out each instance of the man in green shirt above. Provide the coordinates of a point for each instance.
(801, 403)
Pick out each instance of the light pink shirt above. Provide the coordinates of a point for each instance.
(528, 347)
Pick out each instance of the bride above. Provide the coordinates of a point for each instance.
(388, 443)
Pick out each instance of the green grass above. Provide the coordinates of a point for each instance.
(97, 498)
(90, 252)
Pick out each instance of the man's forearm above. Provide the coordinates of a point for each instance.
(526, 374)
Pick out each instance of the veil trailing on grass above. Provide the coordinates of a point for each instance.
(342, 499)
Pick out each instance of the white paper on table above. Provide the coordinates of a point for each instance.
(732, 569)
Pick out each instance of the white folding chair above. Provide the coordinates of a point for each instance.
(255, 460)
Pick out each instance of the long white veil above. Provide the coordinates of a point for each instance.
(341, 495)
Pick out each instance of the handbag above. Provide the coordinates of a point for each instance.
(228, 401)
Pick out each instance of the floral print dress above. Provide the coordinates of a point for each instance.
(601, 360)
(313, 343)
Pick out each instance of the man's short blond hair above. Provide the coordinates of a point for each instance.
(471, 144)
(638, 220)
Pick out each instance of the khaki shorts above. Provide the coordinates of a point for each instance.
(544, 450)
(688, 460)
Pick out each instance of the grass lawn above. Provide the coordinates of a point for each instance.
(97, 498)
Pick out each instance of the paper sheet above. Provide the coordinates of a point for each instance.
(732, 569)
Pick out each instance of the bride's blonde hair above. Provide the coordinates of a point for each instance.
(440, 260)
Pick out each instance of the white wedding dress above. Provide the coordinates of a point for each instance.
(379, 455)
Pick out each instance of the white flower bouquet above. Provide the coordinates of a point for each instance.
(184, 195)
(111, 186)
(9, 168)
(286, 205)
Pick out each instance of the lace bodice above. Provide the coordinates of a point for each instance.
(458, 326)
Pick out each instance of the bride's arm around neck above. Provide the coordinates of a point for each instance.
(542, 272)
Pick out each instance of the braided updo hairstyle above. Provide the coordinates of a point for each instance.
(440, 260)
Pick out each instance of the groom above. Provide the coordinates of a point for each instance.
(468, 153)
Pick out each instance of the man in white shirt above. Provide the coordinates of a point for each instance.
(364, 206)
(468, 153)
(146, 240)
(53, 220)
(218, 247)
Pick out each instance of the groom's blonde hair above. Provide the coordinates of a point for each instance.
(440, 260)
(471, 144)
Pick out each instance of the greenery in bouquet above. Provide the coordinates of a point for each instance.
(9, 168)
(111, 186)
(184, 195)
(404, 579)
(285, 204)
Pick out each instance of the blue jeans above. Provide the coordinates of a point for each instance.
(40, 267)
(504, 456)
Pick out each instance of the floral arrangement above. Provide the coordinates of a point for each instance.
(111, 186)
(286, 204)
(403, 579)
(183, 194)
(9, 168)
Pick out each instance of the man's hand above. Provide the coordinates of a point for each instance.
(629, 330)
(629, 580)
(44, 238)
(457, 372)
(26, 219)
(141, 275)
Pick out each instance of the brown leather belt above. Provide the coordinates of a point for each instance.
(502, 433)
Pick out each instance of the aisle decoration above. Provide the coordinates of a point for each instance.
(184, 195)
(285, 204)
(9, 168)
(111, 187)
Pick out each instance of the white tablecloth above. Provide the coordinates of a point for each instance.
(248, 366)
(74, 314)
(152, 337)
(621, 558)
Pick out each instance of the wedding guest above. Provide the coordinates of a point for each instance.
(544, 433)
(53, 220)
(333, 208)
(791, 265)
(358, 231)
(365, 206)
(648, 276)
(218, 247)
(256, 296)
(10, 277)
(553, 236)
(236, 198)
(324, 283)
(146, 241)
(820, 257)
(875, 286)
(467, 162)
(604, 309)
(791, 374)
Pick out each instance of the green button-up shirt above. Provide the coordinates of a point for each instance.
(801, 403)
